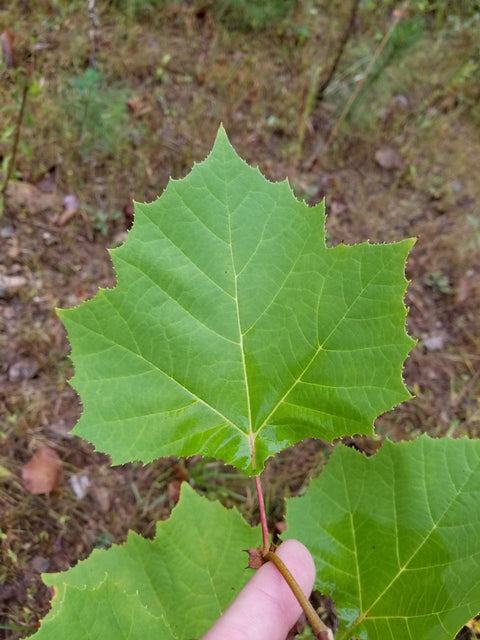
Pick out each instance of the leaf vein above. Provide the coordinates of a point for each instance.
(170, 377)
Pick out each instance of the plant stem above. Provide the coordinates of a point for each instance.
(397, 16)
(321, 631)
(16, 140)
(263, 516)
(341, 48)
(317, 89)
(309, 104)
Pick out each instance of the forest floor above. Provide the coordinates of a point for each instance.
(117, 104)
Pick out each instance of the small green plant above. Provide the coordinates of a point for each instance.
(474, 223)
(249, 14)
(14, 113)
(401, 35)
(141, 9)
(436, 11)
(234, 332)
(97, 116)
(101, 219)
(439, 282)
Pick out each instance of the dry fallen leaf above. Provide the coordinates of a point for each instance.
(138, 106)
(173, 491)
(8, 43)
(42, 472)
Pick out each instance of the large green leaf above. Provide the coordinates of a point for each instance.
(175, 586)
(396, 538)
(233, 331)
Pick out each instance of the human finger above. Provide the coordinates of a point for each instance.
(266, 608)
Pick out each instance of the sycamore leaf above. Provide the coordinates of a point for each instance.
(102, 612)
(233, 331)
(395, 538)
(175, 586)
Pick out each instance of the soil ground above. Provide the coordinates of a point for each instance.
(404, 163)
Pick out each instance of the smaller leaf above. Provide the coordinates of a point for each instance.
(185, 578)
(395, 538)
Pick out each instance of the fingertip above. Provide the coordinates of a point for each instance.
(266, 607)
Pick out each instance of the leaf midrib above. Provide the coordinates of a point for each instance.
(250, 438)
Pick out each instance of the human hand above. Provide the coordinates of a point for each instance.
(266, 608)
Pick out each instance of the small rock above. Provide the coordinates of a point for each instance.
(10, 285)
(120, 238)
(434, 342)
(40, 564)
(71, 206)
(62, 429)
(103, 498)
(71, 202)
(7, 232)
(388, 158)
(24, 369)
(400, 101)
(79, 483)
(48, 238)
(9, 313)
(13, 250)
(337, 207)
